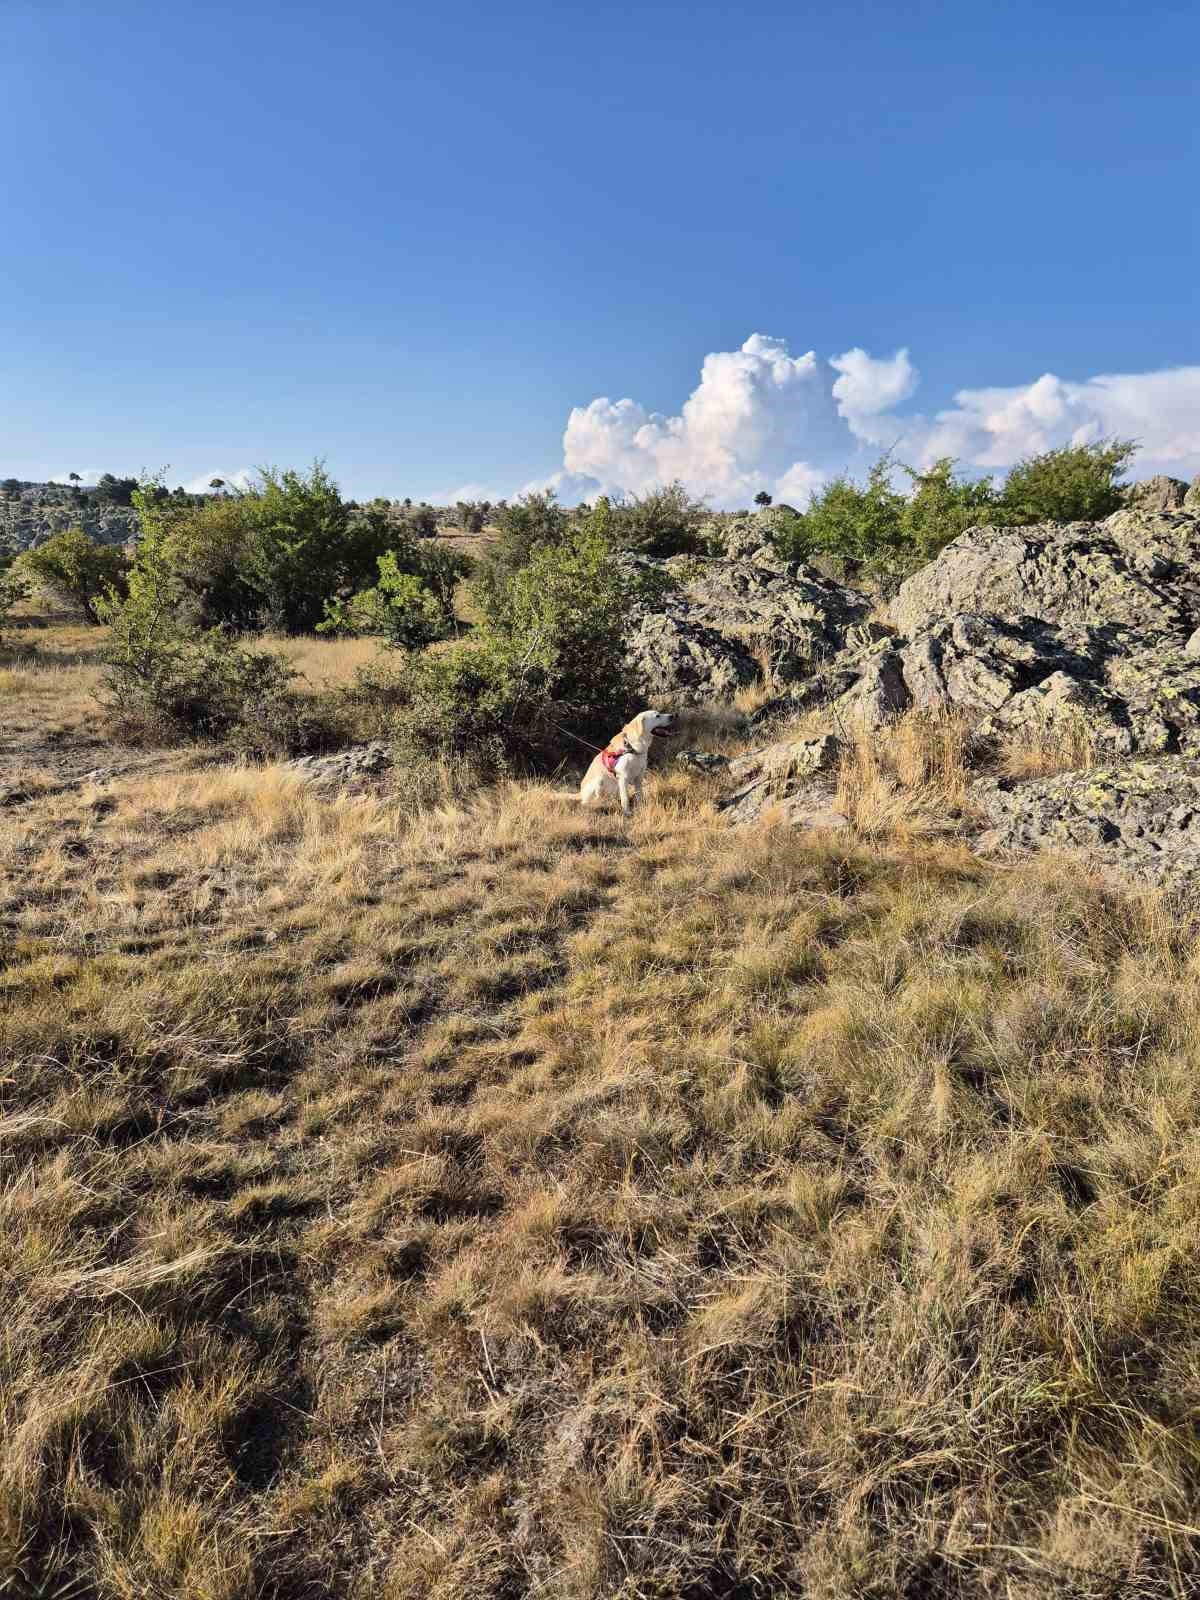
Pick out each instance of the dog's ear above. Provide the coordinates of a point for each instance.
(636, 726)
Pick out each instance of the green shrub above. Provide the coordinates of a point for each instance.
(665, 522)
(874, 526)
(77, 571)
(278, 555)
(549, 662)
(307, 544)
(1078, 483)
(400, 608)
(411, 605)
(207, 548)
(860, 523)
(171, 682)
(13, 587)
(527, 524)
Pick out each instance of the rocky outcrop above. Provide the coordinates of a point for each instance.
(786, 779)
(728, 618)
(1091, 626)
(1157, 494)
(1140, 817)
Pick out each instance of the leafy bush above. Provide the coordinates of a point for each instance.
(411, 604)
(890, 534)
(548, 661)
(276, 555)
(306, 544)
(400, 608)
(665, 522)
(527, 524)
(168, 681)
(1078, 483)
(77, 571)
(207, 548)
(13, 587)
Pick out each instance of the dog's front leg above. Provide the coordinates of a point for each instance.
(623, 791)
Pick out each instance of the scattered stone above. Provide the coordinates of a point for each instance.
(701, 761)
(781, 775)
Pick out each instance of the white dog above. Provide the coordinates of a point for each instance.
(618, 768)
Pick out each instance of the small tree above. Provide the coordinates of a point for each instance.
(1077, 483)
(762, 499)
(550, 659)
(73, 477)
(529, 523)
(116, 491)
(77, 571)
(665, 522)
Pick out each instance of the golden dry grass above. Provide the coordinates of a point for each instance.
(500, 1200)
(491, 1198)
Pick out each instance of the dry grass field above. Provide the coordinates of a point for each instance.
(498, 1200)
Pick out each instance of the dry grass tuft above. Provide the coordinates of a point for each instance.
(911, 776)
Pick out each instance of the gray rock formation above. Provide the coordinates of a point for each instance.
(360, 762)
(780, 778)
(1157, 494)
(1140, 818)
(727, 618)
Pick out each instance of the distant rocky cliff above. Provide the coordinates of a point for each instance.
(31, 513)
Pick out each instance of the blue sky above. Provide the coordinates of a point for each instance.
(420, 240)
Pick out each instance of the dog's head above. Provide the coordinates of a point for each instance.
(649, 725)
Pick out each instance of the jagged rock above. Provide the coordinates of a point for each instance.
(680, 661)
(1063, 710)
(1136, 569)
(1191, 500)
(1140, 818)
(708, 636)
(781, 774)
(789, 758)
(345, 766)
(1157, 494)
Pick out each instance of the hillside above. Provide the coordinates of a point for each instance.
(495, 1198)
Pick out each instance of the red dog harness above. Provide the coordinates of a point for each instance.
(611, 757)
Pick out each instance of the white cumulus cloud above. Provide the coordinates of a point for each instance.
(760, 417)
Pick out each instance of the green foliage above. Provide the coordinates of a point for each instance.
(77, 571)
(13, 587)
(1078, 483)
(305, 544)
(277, 555)
(116, 491)
(422, 521)
(940, 507)
(890, 534)
(207, 548)
(550, 657)
(172, 681)
(665, 522)
(533, 521)
(762, 498)
(854, 522)
(399, 608)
